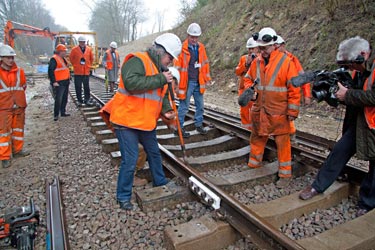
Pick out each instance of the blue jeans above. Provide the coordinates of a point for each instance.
(128, 141)
(183, 108)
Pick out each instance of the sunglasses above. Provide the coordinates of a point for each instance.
(265, 38)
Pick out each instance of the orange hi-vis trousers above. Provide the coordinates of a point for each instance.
(12, 123)
(284, 152)
(245, 114)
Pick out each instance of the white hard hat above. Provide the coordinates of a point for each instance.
(251, 43)
(266, 36)
(194, 29)
(175, 73)
(113, 45)
(171, 43)
(280, 40)
(6, 50)
(81, 39)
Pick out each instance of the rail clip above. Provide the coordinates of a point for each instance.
(204, 193)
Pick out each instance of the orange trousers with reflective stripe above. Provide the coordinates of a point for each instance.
(12, 123)
(284, 152)
(245, 114)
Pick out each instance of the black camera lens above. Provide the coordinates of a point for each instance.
(319, 95)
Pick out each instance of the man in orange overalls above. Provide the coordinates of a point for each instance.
(12, 107)
(276, 105)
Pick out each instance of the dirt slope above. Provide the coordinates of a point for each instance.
(312, 29)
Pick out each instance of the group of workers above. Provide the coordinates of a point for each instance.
(275, 102)
(143, 97)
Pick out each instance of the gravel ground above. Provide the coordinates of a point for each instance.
(94, 221)
(267, 192)
(321, 220)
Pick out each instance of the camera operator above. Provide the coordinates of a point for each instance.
(358, 135)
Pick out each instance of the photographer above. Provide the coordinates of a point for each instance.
(358, 130)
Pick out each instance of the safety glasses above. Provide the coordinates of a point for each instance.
(265, 38)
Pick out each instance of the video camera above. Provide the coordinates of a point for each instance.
(324, 83)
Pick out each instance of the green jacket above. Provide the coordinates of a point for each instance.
(135, 80)
(356, 100)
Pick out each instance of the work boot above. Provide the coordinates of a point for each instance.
(183, 132)
(293, 139)
(201, 130)
(137, 182)
(6, 163)
(89, 103)
(308, 193)
(283, 182)
(125, 205)
(22, 153)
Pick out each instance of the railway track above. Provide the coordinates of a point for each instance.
(216, 172)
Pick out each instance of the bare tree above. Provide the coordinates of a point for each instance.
(31, 12)
(116, 20)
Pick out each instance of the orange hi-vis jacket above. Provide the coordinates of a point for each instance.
(306, 88)
(109, 62)
(12, 88)
(138, 110)
(277, 98)
(62, 70)
(370, 110)
(182, 64)
(81, 67)
(241, 70)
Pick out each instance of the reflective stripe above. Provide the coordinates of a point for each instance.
(285, 172)
(181, 92)
(17, 129)
(17, 138)
(285, 164)
(275, 89)
(183, 69)
(11, 89)
(248, 76)
(5, 134)
(252, 162)
(277, 69)
(258, 157)
(5, 88)
(4, 144)
(149, 96)
(202, 86)
(293, 106)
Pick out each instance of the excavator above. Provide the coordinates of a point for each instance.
(12, 29)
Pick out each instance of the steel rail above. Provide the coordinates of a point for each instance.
(245, 221)
(56, 238)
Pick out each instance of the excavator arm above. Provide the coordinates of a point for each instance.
(10, 32)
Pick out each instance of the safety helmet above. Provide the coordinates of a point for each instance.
(113, 45)
(251, 43)
(81, 39)
(280, 40)
(170, 42)
(266, 36)
(6, 50)
(61, 47)
(194, 29)
(175, 73)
